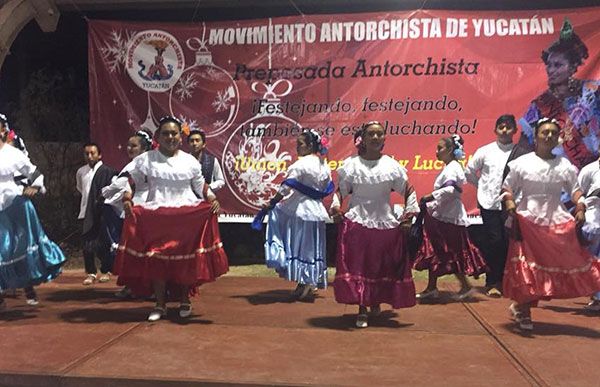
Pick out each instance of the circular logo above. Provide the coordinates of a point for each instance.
(155, 60)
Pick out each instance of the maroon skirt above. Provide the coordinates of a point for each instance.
(179, 245)
(372, 267)
(447, 249)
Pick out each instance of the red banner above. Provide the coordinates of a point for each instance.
(251, 84)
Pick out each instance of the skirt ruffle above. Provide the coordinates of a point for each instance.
(447, 249)
(549, 262)
(179, 245)
(27, 256)
(373, 267)
(295, 248)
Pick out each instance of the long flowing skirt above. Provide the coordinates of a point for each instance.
(549, 262)
(27, 256)
(592, 234)
(447, 249)
(295, 248)
(373, 267)
(179, 245)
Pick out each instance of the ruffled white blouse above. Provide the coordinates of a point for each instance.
(14, 162)
(589, 181)
(172, 181)
(370, 182)
(311, 171)
(447, 206)
(113, 193)
(541, 183)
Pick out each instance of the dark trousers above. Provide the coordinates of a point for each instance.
(94, 247)
(98, 242)
(495, 245)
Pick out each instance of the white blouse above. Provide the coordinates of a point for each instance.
(13, 161)
(447, 206)
(113, 193)
(370, 182)
(485, 170)
(172, 181)
(541, 183)
(311, 171)
(589, 181)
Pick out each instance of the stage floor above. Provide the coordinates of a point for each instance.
(247, 331)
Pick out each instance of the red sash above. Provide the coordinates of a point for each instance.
(573, 145)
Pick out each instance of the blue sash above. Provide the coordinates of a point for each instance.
(303, 189)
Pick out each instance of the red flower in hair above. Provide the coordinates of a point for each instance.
(324, 142)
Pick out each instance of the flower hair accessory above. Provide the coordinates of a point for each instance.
(546, 120)
(185, 128)
(175, 120)
(358, 140)
(144, 135)
(324, 148)
(459, 153)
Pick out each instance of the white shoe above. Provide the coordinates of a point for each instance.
(362, 321)
(525, 323)
(593, 305)
(157, 313)
(90, 279)
(515, 313)
(428, 295)
(104, 278)
(32, 301)
(464, 295)
(185, 309)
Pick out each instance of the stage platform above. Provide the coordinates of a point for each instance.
(248, 331)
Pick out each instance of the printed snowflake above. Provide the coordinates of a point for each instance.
(186, 86)
(218, 124)
(212, 73)
(223, 99)
(114, 50)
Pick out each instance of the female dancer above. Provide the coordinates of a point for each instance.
(27, 256)
(295, 245)
(589, 182)
(545, 259)
(372, 261)
(447, 248)
(137, 144)
(171, 243)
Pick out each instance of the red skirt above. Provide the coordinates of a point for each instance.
(372, 267)
(549, 262)
(447, 249)
(179, 245)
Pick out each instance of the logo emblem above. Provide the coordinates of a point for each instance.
(155, 60)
